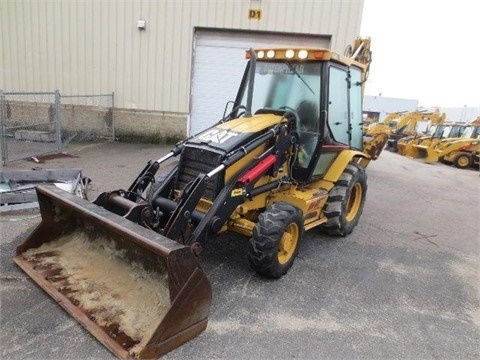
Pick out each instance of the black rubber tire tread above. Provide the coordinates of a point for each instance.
(335, 208)
(443, 161)
(459, 156)
(154, 187)
(267, 233)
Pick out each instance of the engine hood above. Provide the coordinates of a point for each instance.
(235, 133)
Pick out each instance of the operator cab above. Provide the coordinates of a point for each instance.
(471, 132)
(323, 94)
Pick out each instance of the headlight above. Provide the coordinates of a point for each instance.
(289, 54)
(302, 54)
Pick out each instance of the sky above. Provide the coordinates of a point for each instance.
(426, 50)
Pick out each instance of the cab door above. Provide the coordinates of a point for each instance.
(345, 106)
(356, 118)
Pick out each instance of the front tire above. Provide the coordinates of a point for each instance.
(276, 239)
(345, 202)
(463, 160)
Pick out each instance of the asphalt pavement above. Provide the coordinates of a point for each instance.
(403, 285)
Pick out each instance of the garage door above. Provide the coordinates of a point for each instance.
(219, 62)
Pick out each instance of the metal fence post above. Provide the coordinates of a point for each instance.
(58, 127)
(3, 140)
(113, 116)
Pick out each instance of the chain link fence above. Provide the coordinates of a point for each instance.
(30, 124)
(35, 124)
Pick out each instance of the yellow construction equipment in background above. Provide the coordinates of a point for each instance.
(461, 152)
(417, 147)
(414, 123)
(384, 127)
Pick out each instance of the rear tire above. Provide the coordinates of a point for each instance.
(463, 160)
(345, 202)
(276, 239)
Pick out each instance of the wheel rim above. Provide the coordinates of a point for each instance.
(354, 202)
(462, 161)
(288, 243)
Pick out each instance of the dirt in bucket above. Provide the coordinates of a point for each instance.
(117, 294)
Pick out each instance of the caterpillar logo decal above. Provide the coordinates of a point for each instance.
(217, 136)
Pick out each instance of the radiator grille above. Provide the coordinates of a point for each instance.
(195, 161)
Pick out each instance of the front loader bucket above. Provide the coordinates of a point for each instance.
(416, 151)
(138, 292)
(401, 148)
(432, 155)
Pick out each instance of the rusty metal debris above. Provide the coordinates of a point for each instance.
(17, 188)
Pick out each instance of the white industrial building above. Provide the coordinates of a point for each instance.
(462, 114)
(378, 107)
(173, 64)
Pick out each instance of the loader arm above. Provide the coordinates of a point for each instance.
(147, 175)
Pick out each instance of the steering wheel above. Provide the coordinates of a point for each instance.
(293, 112)
(287, 108)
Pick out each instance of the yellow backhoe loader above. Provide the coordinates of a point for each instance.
(384, 127)
(435, 130)
(405, 143)
(288, 156)
(418, 147)
(411, 124)
(461, 152)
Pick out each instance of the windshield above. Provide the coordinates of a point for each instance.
(433, 130)
(467, 134)
(476, 132)
(442, 131)
(281, 84)
(456, 131)
(421, 126)
(471, 132)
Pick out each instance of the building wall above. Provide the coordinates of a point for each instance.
(385, 105)
(462, 114)
(93, 47)
(85, 47)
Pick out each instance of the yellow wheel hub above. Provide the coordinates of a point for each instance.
(463, 161)
(288, 243)
(354, 202)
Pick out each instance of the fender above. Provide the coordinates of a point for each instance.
(340, 163)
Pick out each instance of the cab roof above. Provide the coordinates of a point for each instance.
(302, 55)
